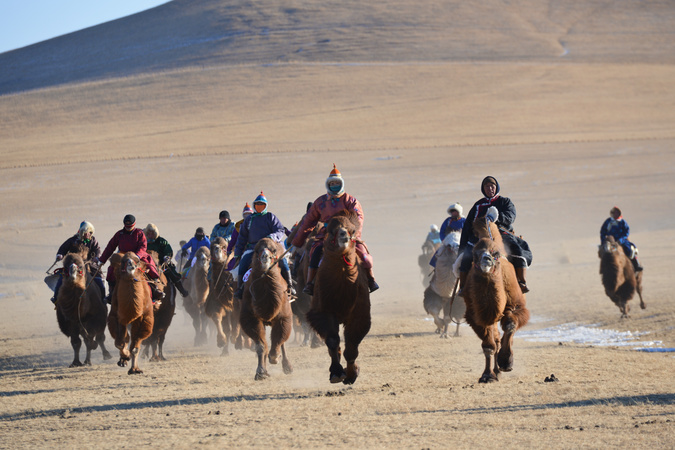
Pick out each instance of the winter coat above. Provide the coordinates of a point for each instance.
(322, 210)
(194, 244)
(450, 225)
(255, 227)
(618, 228)
(162, 247)
(507, 215)
(73, 243)
(129, 241)
(224, 232)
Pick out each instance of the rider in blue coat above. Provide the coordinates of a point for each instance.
(259, 225)
(618, 228)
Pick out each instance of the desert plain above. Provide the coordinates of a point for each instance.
(181, 111)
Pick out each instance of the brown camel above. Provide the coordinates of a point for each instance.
(618, 276)
(303, 301)
(341, 296)
(220, 305)
(80, 310)
(492, 297)
(265, 302)
(131, 314)
(163, 316)
(428, 250)
(438, 297)
(197, 286)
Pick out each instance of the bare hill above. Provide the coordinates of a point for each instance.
(185, 33)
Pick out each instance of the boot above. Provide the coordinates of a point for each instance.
(636, 265)
(157, 294)
(520, 275)
(286, 275)
(239, 293)
(462, 282)
(309, 286)
(372, 284)
(111, 288)
(181, 289)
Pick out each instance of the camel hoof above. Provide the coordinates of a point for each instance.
(225, 352)
(122, 362)
(335, 378)
(505, 361)
(107, 356)
(133, 371)
(154, 359)
(261, 376)
(87, 362)
(438, 331)
(488, 378)
(273, 359)
(76, 363)
(288, 369)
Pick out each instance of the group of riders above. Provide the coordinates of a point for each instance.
(256, 223)
(519, 253)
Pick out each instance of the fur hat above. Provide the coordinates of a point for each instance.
(491, 180)
(457, 207)
(151, 228)
(224, 214)
(85, 227)
(434, 228)
(335, 175)
(247, 209)
(199, 232)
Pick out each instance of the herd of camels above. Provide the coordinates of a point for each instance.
(490, 299)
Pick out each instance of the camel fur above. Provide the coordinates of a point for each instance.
(493, 296)
(163, 316)
(303, 301)
(341, 296)
(197, 285)
(266, 302)
(131, 317)
(80, 310)
(619, 278)
(220, 302)
(438, 295)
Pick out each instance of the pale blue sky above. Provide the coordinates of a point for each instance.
(26, 22)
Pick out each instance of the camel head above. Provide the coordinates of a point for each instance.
(486, 256)
(610, 245)
(203, 258)
(219, 250)
(74, 266)
(341, 231)
(267, 252)
(131, 263)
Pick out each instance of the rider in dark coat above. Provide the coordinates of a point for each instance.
(518, 250)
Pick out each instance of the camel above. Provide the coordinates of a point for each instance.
(197, 285)
(341, 296)
(131, 315)
(80, 310)
(428, 250)
(163, 316)
(441, 293)
(265, 302)
(303, 301)
(492, 297)
(220, 305)
(618, 276)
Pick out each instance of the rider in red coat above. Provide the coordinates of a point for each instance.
(322, 210)
(130, 239)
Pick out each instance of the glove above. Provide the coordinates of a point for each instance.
(59, 257)
(183, 253)
(167, 259)
(492, 214)
(95, 260)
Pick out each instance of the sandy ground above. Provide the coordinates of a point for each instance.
(566, 140)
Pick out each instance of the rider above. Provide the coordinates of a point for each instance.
(247, 211)
(84, 238)
(618, 228)
(199, 240)
(130, 239)
(433, 237)
(224, 228)
(453, 223)
(164, 254)
(323, 209)
(259, 225)
(519, 253)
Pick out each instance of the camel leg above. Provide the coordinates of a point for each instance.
(76, 343)
(133, 370)
(281, 332)
(355, 331)
(100, 338)
(440, 323)
(160, 348)
(285, 362)
(224, 331)
(154, 345)
(90, 345)
(490, 348)
(262, 351)
(457, 331)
